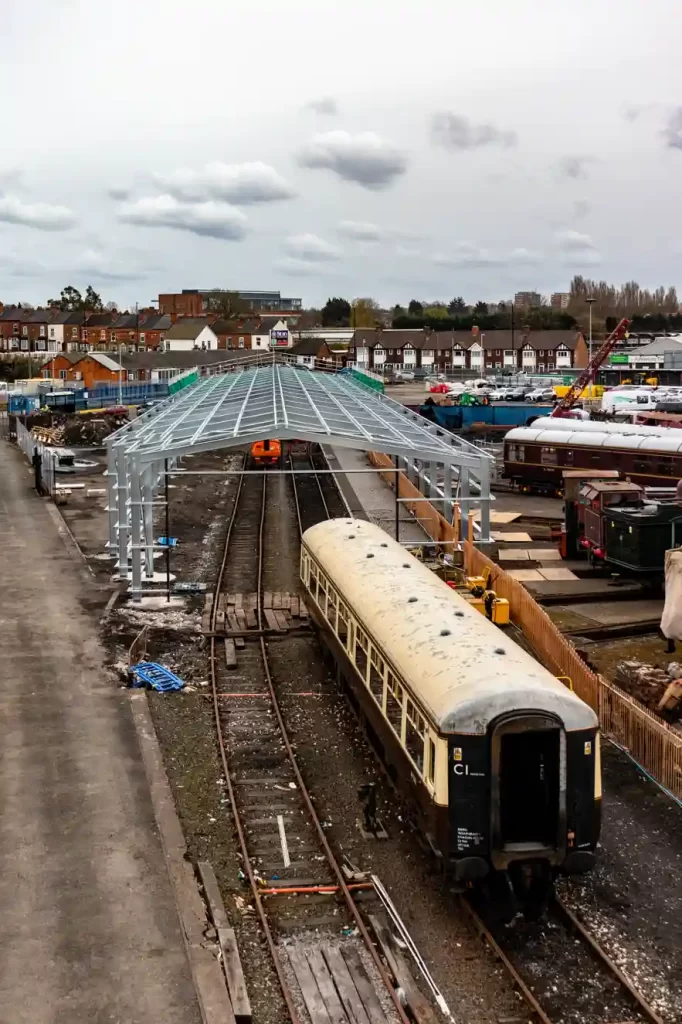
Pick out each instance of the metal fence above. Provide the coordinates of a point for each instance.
(29, 447)
(650, 741)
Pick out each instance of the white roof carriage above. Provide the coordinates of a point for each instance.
(459, 666)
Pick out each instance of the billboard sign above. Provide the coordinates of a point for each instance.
(279, 339)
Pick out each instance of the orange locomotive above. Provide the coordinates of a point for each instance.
(266, 452)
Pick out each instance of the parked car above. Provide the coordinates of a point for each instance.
(496, 395)
(515, 394)
(403, 375)
(542, 395)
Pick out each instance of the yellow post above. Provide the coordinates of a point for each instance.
(456, 516)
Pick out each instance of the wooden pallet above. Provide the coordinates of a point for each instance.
(335, 985)
(238, 613)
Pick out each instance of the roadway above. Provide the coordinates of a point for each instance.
(90, 931)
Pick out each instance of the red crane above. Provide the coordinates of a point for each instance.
(564, 405)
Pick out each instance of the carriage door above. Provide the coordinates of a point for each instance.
(528, 808)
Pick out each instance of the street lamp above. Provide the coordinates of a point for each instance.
(590, 303)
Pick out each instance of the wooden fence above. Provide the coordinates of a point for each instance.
(647, 738)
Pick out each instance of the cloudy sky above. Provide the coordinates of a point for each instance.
(346, 147)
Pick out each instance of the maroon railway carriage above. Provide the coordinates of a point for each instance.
(534, 458)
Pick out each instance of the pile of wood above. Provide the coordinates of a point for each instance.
(53, 436)
(656, 688)
(237, 613)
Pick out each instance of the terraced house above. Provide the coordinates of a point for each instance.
(480, 352)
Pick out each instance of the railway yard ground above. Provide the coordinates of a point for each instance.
(631, 904)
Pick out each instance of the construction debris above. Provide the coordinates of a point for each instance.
(651, 685)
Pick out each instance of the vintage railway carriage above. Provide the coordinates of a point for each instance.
(536, 456)
(500, 757)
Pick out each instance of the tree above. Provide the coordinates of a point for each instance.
(336, 313)
(398, 310)
(71, 300)
(436, 312)
(364, 313)
(111, 307)
(92, 301)
(457, 305)
(227, 305)
(481, 309)
(415, 308)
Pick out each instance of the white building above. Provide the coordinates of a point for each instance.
(188, 334)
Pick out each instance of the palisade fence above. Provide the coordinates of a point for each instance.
(28, 445)
(650, 741)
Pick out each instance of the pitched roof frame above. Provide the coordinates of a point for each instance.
(234, 409)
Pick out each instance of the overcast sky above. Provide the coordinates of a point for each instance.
(338, 147)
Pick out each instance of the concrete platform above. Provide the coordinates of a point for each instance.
(375, 497)
(90, 930)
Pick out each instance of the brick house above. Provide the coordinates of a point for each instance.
(90, 369)
(96, 332)
(11, 320)
(312, 350)
(480, 352)
(235, 334)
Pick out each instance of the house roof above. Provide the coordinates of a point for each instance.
(267, 323)
(156, 322)
(235, 326)
(308, 347)
(126, 320)
(181, 360)
(12, 313)
(187, 329)
(102, 319)
(103, 359)
(659, 347)
(70, 357)
(60, 316)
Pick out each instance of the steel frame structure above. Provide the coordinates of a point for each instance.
(234, 409)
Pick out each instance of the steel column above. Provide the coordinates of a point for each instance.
(123, 510)
(135, 509)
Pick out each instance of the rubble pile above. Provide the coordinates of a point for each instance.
(657, 688)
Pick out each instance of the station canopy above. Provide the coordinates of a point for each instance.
(280, 401)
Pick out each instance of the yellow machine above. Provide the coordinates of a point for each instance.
(486, 600)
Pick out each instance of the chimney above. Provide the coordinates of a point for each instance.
(475, 331)
(174, 317)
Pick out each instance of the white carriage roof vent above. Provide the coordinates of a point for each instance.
(445, 632)
(500, 650)
(370, 555)
(411, 600)
(406, 565)
(460, 615)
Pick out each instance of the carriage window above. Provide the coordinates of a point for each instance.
(342, 623)
(376, 675)
(431, 760)
(414, 735)
(394, 704)
(548, 456)
(568, 456)
(361, 648)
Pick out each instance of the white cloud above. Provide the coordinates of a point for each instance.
(576, 249)
(209, 219)
(573, 167)
(36, 215)
(464, 254)
(366, 159)
(452, 131)
(14, 265)
(672, 133)
(294, 267)
(98, 266)
(524, 257)
(324, 105)
(311, 247)
(234, 183)
(119, 192)
(361, 231)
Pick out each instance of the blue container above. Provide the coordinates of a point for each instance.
(497, 417)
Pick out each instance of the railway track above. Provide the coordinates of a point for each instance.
(601, 994)
(286, 858)
(317, 496)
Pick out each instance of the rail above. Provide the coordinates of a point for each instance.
(257, 892)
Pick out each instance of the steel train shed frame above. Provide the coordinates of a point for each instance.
(234, 409)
